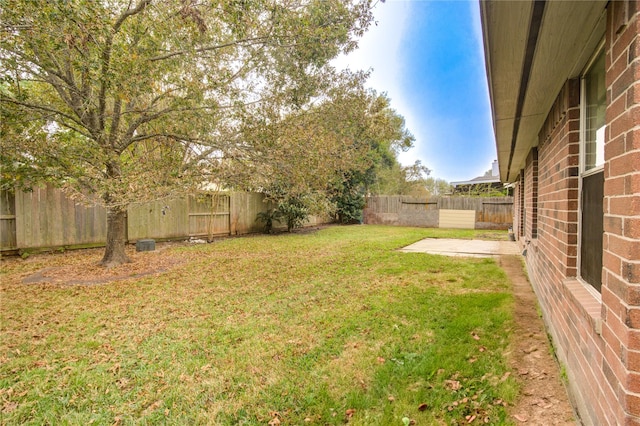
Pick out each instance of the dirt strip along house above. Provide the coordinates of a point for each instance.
(564, 81)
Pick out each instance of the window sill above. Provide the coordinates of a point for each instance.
(587, 299)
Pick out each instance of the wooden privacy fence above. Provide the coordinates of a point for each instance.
(47, 218)
(434, 212)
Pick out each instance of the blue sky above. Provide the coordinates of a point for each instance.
(427, 56)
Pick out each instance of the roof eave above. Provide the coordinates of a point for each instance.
(531, 49)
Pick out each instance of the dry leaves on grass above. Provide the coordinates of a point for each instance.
(83, 268)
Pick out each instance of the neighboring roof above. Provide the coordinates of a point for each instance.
(479, 180)
(531, 49)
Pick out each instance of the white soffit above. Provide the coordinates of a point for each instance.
(569, 32)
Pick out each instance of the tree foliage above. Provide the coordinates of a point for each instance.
(437, 186)
(122, 101)
(380, 135)
(482, 190)
(329, 155)
(403, 180)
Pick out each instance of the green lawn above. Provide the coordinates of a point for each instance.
(316, 328)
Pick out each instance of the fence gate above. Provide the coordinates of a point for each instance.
(209, 215)
(7, 221)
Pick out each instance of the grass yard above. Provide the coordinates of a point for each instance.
(330, 327)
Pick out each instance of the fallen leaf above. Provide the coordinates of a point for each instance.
(350, 412)
(391, 398)
(381, 360)
(274, 422)
(475, 336)
(154, 406)
(9, 407)
(520, 418)
(452, 384)
(423, 406)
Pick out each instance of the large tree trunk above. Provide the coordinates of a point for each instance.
(114, 253)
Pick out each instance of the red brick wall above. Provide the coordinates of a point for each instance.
(552, 258)
(531, 195)
(621, 257)
(557, 206)
(518, 210)
(597, 338)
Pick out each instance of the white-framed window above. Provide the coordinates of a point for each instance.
(594, 108)
(592, 139)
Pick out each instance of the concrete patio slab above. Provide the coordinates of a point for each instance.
(466, 248)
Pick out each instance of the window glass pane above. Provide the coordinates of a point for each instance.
(595, 98)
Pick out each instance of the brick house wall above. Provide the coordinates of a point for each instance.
(621, 244)
(518, 207)
(597, 336)
(531, 195)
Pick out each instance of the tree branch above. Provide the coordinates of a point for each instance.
(130, 12)
(47, 109)
(246, 41)
(115, 122)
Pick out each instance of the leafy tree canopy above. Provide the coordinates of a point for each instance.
(129, 100)
(330, 154)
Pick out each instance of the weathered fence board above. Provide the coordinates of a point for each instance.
(46, 218)
(7, 221)
(490, 212)
(159, 219)
(244, 209)
(209, 215)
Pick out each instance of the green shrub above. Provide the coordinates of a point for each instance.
(268, 217)
(294, 211)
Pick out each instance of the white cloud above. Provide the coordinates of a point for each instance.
(380, 46)
(380, 50)
(438, 142)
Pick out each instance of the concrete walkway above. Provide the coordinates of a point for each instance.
(466, 248)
